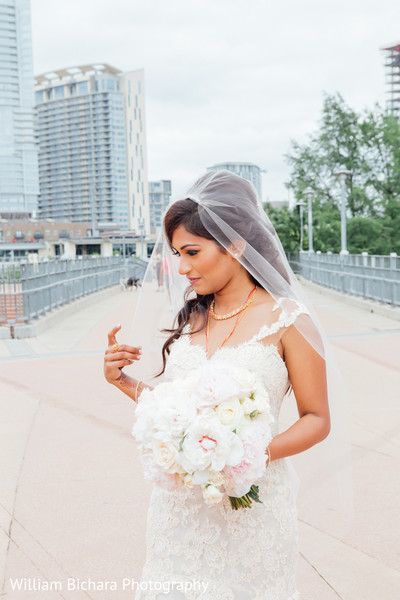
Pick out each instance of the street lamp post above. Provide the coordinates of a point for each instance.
(309, 193)
(301, 205)
(342, 173)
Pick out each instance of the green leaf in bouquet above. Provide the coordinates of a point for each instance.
(254, 413)
(180, 449)
(246, 500)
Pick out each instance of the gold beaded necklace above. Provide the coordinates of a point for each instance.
(234, 312)
(246, 305)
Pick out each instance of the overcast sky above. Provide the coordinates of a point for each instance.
(225, 80)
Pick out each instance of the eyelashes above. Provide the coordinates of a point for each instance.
(190, 252)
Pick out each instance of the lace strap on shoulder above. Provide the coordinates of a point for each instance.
(186, 328)
(290, 310)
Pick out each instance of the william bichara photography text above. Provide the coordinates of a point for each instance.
(28, 584)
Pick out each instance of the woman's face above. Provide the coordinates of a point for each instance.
(202, 262)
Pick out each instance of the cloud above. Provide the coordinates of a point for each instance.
(226, 80)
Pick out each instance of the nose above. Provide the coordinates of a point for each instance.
(184, 266)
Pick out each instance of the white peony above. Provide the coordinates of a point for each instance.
(230, 413)
(174, 414)
(209, 444)
(215, 385)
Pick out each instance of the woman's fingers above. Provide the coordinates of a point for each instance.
(126, 348)
(133, 353)
(121, 363)
(111, 335)
(114, 356)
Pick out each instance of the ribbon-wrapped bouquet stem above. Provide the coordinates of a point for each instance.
(209, 429)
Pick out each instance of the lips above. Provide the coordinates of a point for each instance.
(193, 280)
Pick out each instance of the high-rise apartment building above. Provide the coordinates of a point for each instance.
(246, 170)
(19, 183)
(392, 76)
(160, 194)
(92, 147)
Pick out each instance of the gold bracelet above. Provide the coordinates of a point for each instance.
(268, 452)
(136, 389)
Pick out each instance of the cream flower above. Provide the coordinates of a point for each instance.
(187, 480)
(166, 455)
(230, 413)
(211, 494)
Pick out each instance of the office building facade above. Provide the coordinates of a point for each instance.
(19, 182)
(246, 170)
(160, 194)
(86, 121)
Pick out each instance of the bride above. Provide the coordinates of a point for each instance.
(240, 301)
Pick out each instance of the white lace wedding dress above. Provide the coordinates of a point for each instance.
(245, 554)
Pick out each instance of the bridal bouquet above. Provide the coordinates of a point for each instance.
(209, 429)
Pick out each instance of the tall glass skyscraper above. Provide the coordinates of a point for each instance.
(85, 123)
(160, 194)
(19, 182)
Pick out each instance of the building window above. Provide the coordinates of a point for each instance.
(59, 92)
(83, 87)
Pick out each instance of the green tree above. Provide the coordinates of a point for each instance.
(287, 226)
(368, 144)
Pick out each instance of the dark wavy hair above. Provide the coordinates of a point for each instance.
(186, 212)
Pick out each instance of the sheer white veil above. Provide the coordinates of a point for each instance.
(231, 214)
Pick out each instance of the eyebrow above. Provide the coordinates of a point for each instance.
(186, 245)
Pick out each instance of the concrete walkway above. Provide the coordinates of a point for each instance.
(72, 497)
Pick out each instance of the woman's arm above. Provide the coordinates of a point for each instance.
(114, 362)
(307, 374)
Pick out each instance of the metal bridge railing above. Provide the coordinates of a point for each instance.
(28, 291)
(368, 276)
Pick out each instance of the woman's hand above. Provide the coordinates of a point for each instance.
(114, 362)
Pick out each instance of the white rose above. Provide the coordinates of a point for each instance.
(211, 494)
(248, 405)
(165, 456)
(245, 379)
(230, 413)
